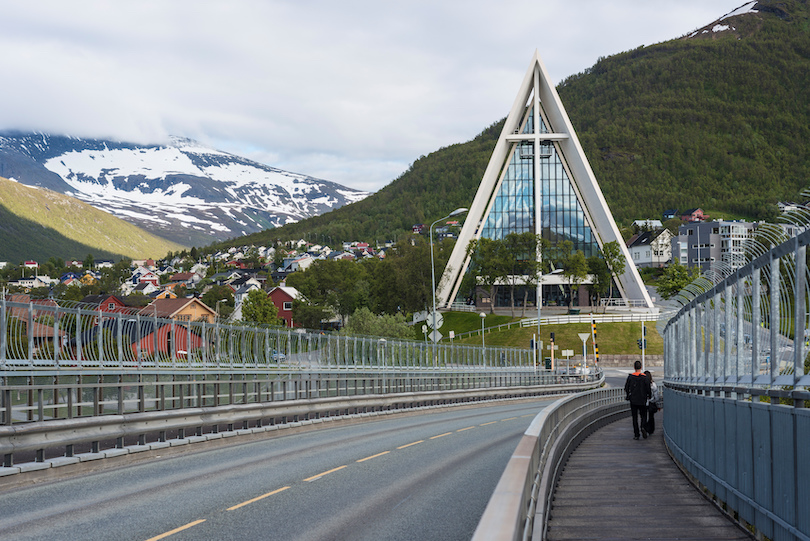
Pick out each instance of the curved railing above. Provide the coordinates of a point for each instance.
(519, 507)
(736, 387)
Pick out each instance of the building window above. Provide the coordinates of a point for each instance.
(287, 306)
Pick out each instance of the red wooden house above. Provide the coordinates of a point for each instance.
(283, 297)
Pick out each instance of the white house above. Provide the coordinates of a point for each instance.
(651, 248)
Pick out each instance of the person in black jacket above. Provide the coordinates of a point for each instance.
(637, 389)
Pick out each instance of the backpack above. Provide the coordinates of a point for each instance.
(631, 387)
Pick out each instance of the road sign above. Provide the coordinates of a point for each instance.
(435, 336)
(568, 353)
(439, 320)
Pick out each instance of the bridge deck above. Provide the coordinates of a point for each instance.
(614, 487)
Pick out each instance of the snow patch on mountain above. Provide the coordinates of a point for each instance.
(182, 190)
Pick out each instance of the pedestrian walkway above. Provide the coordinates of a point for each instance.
(614, 487)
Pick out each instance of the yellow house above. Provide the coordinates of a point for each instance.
(180, 309)
(88, 279)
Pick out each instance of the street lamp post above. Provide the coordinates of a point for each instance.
(483, 347)
(433, 271)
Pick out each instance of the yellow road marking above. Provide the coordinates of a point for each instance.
(489, 423)
(463, 429)
(257, 498)
(528, 415)
(441, 435)
(373, 456)
(509, 419)
(414, 443)
(324, 473)
(180, 529)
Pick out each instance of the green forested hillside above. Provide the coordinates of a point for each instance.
(719, 121)
(36, 223)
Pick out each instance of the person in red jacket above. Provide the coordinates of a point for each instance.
(637, 389)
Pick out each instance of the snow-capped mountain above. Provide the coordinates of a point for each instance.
(181, 191)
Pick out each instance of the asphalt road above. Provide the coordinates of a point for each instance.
(405, 477)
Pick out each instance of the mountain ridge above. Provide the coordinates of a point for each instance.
(180, 190)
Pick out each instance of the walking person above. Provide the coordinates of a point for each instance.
(652, 403)
(637, 390)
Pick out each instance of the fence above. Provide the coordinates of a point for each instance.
(736, 389)
(44, 335)
(520, 505)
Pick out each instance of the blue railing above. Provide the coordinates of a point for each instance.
(736, 386)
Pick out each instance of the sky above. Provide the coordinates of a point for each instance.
(350, 91)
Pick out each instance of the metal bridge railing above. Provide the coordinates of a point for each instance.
(736, 387)
(44, 335)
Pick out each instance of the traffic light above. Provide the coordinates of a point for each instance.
(552, 337)
(639, 342)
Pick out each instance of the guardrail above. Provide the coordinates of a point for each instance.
(736, 388)
(208, 405)
(519, 507)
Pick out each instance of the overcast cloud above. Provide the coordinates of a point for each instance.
(349, 91)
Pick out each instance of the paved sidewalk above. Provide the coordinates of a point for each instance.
(614, 487)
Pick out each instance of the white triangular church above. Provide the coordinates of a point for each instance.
(539, 180)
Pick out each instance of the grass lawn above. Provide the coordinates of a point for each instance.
(612, 338)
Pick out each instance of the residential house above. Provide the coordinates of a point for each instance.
(146, 337)
(144, 275)
(32, 282)
(669, 214)
(149, 264)
(300, 262)
(647, 225)
(188, 279)
(242, 280)
(337, 256)
(651, 248)
(283, 297)
(694, 215)
(68, 276)
(163, 294)
(106, 303)
(144, 288)
(180, 309)
(200, 269)
(241, 294)
(89, 278)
